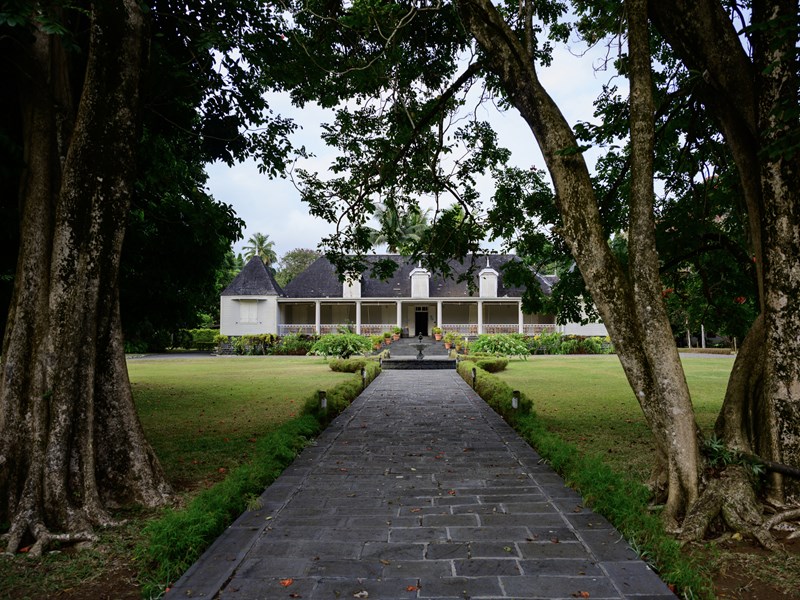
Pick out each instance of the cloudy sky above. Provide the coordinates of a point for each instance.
(273, 207)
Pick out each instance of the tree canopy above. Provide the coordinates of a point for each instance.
(293, 263)
(693, 201)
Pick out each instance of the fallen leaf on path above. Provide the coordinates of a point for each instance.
(412, 588)
(287, 582)
(361, 594)
(383, 561)
(452, 492)
(580, 595)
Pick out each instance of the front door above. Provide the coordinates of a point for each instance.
(421, 321)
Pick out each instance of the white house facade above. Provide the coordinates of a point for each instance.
(317, 302)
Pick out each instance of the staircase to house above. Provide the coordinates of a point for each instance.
(404, 355)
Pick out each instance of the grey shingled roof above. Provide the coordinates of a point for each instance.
(320, 280)
(253, 280)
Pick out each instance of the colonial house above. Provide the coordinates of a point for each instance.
(414, 299)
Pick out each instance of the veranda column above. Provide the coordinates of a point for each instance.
(439, 313)
(399, 314)
(317, 316)
(358, 317)
(480, 317)
(521, 318)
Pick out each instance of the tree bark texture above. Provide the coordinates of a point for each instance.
(71, 445)
(630, 303)
(753, 100)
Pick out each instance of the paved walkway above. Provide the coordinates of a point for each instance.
(419, 490)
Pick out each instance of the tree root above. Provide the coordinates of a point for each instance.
(43, 538)
(730, 497)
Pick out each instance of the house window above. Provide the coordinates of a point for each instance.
(248, 311)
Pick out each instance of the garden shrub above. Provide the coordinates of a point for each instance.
(200, 339)
(502, 344)
(343, 345)
(557, 343)
(348, 365)
(294, 344)
(493, 365)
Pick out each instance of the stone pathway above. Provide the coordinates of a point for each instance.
(419, 490)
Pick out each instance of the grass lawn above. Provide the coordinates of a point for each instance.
(202, 416)
(587, 401)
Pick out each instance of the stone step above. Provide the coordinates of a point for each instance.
(410, 363)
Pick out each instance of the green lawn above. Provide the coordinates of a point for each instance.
(202, 415)
(587, 401)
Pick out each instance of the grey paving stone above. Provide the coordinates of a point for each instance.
(394, 551)
(384, 589)
(418, 568)
(486, 567)
(469, 534)
(451, 550)
(419, 490)
(243, 588)
(635, 578)
(527, 519)
(459, 587)
(588, 520)
(463, 520)
(573, 567)
(547, 549)
(558, 587)
(417, 534)
(607, 545)
(494, 549)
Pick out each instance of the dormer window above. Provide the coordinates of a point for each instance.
(488, 282)
(420, 283)
(351, 288)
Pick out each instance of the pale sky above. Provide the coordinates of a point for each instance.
(273, 207)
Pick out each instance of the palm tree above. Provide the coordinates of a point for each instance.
(260, 245)
(399, 231)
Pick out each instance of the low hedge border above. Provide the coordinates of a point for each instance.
(176, 540)
(622, 501)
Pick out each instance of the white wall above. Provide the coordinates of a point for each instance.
(230, 315)
(587, 330)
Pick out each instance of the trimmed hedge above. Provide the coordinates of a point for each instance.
(622, 501)
(348, 365)
(493, 365)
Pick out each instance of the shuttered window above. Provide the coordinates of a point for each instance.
(248, 311)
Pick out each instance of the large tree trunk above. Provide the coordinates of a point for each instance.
(71, 445)
(755, 101)
(630, 303)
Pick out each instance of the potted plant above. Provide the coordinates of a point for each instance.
(449, 339)
(396, 331)
(387, 338)
(437, 333)
(376, 341)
